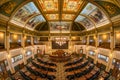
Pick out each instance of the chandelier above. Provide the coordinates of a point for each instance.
(60, 40)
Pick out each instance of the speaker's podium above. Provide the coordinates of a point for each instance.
(60, 56)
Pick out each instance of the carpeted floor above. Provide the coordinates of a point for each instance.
(60, 75)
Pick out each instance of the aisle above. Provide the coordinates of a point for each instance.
(60, 74)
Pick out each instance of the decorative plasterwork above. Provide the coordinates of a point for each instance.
(67, 16)
(71, 5)
(52, 16)
(49, 5)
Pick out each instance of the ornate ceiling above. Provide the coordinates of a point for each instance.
(31, 13)
(58, 10)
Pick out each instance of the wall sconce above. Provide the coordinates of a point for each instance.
(49, 47)
(25, 37)
(15, 36)
(9, 56)
(110, 55)
(117, 35)
(104, 36)
(1, 35)
(87, 48)
(94, 37)
(95, 50)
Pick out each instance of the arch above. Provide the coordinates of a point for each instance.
(95, 14)
(89, 21)
(20, 6)
(34, 20)
(21, 14)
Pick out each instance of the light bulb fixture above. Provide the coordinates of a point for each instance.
(60, 40)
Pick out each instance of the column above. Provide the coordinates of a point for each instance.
(70, 45)
(96, 45)
(49, 44)
(111, 53)
(87, 46)
(8, 53)
(23, 45)
(32, 43)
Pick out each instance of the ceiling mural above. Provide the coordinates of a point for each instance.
(71, 5)
(52, 16)
(110, 8)
(8, 6)
(49, 5)
(53, 10)
(85, 22)
(63, 27)
(60, 13)
(25, 13)
(95, 14)
(35, 21)
(68, 16)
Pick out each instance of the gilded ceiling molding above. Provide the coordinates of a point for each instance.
(82, 25)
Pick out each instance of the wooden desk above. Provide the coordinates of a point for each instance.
(40, 78)
(74, 65)
(101, 78)
(70, 73)
(88, 75)
(27, 73)
(51, 73)
(68, 67)
(77, 71)
(33, 67)
(44, 72)
(60, 58)
(39, 70)
(52, 67)
(81, 78)
(24, 70)
(32, 76)
(93, 72)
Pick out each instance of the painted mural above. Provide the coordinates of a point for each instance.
(34, 21)
(59, 26)
(110, 8)
(95, 14)
(85, 22)
(26, 12)
(8, 6)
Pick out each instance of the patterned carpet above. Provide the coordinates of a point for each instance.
(60, 75)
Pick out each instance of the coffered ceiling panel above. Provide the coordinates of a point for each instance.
(60, 9)
(52, 16)
(67, 16)
(71, 5)
(49, 5)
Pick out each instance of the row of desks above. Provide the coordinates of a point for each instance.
(39, 70)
